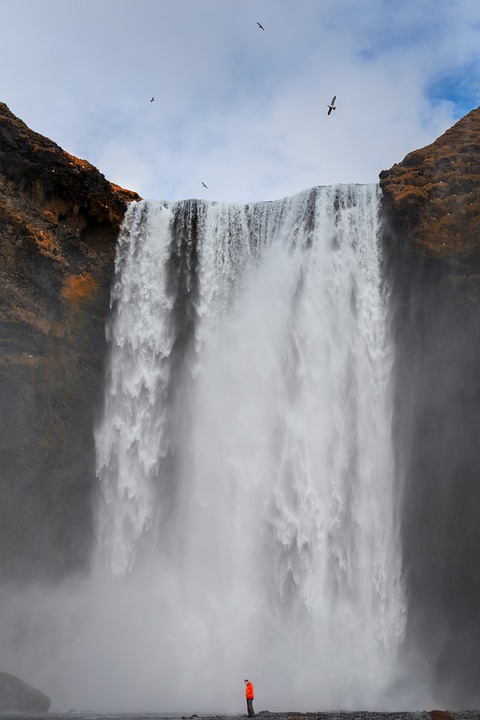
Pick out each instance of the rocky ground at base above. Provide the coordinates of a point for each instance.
(289, 715)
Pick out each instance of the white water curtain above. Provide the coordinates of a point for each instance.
(247, 509)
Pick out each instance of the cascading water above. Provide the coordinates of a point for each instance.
(247, 504)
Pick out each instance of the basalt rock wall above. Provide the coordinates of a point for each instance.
(432, 260)
(59, 219)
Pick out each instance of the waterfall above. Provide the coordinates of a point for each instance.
(247, 506)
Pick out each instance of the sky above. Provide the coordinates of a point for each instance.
(241, 109)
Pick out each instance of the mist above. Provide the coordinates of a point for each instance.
(247, 513)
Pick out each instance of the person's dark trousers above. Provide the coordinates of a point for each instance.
(250, 710)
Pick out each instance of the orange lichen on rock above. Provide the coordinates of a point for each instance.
(78, 161)
(126, 195)
(80, 287)
(45, 241)
(440, 715)
(50, 216)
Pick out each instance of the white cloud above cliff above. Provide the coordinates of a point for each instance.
(242, 109)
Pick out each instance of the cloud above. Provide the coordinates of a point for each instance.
(241, 108)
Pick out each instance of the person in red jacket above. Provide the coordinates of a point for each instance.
(249, 694)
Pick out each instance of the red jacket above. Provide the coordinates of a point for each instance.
(249, 691)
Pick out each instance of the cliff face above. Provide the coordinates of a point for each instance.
(433, 196)
(432, 258)
(59, 219)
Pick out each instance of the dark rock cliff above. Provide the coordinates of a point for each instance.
(432, 259)
(59, 219)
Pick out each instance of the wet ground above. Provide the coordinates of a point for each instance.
(338, 715)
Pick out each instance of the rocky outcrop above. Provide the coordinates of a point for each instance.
(59, 219)
(431, 244)
(433, 196)
(18, 696)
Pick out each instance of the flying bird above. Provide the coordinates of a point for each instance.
(332, 105)
(152, 99)
(204, 185)
(260, 26)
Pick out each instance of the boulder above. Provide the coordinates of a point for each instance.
(17, 696)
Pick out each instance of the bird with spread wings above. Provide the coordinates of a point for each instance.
(332, 105)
